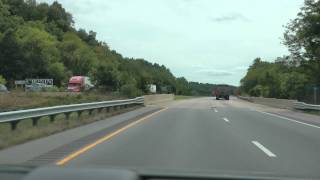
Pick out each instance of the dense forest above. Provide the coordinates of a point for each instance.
(296, 76)
(38, 40)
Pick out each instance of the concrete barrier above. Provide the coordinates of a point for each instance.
(272, 102)
(158, 98)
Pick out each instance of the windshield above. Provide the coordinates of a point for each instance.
(193, 85)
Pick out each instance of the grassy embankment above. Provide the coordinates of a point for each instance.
(26, 132)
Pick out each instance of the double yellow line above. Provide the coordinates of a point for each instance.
(103, 139)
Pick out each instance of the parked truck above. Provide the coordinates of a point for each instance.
(79, 84)
(221, 93)
(152, 88)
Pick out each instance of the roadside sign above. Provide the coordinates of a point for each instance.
(20, 82)
(46, 82)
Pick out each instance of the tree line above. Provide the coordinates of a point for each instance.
(296, 75)
(38, 40)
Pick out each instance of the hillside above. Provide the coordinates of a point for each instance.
(38, 40)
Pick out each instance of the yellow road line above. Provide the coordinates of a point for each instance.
(105, 138)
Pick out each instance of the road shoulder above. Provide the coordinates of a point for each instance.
(30, 150)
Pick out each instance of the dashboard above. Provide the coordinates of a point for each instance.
(81, 173)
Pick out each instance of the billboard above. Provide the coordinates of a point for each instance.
(45, 82)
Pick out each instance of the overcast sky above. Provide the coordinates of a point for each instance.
(210, 41)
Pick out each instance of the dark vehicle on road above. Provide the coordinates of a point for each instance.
(221, 92)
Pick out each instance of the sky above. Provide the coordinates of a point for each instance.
(209, 41)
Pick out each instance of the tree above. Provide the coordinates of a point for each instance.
(58, 15)
(293, 85)
(302, 36)
(29, 52)
(182, 86)
(58, 72)
(76, 55)
(39, 49)
(107, 76)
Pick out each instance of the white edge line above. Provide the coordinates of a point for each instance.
(270, 114)
(264, 149)
(215, 110)
(226, 120)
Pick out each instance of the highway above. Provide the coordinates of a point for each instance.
(204, 134)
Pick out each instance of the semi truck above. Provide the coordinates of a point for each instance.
(79, 84)
(221, 93)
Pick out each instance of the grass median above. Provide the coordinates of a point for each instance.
(26, 132)
(178, 97)
(16, 100)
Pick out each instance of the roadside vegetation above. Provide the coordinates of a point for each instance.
(27, 100)
(295, 76)
(26, 132)
(180, 97)
(39, 40)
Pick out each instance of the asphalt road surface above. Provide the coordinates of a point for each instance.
(205, 134)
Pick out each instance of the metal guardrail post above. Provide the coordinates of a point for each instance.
(52, 118)
(35, 121)
(13, 125)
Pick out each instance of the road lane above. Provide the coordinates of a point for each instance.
(176, 138)
(297, 146)
(192, 135)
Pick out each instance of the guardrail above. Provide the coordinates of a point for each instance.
(272, 102)
(245, 98)
(290, 104)
(14, 117)
(305, 106)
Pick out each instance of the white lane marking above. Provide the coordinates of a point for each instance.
(274, 115)
(264, 149)
(226, 120)
(215, 110)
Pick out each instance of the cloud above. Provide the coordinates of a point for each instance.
(215, 72)
(229, 18)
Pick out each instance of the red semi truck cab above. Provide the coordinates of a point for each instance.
(79, 84)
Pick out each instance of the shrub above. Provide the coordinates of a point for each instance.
(51, 89)
(2, 80)
(130, 91)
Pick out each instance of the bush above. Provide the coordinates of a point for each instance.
(51, 89)
(2, 80)
(130, 91)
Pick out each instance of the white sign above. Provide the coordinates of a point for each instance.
(47, 82)
(20, 82)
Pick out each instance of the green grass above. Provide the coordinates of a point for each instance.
(179, 97)
(22, 100)
(26, 132)
(313, 112)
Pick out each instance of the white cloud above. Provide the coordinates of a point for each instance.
(230, 17)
